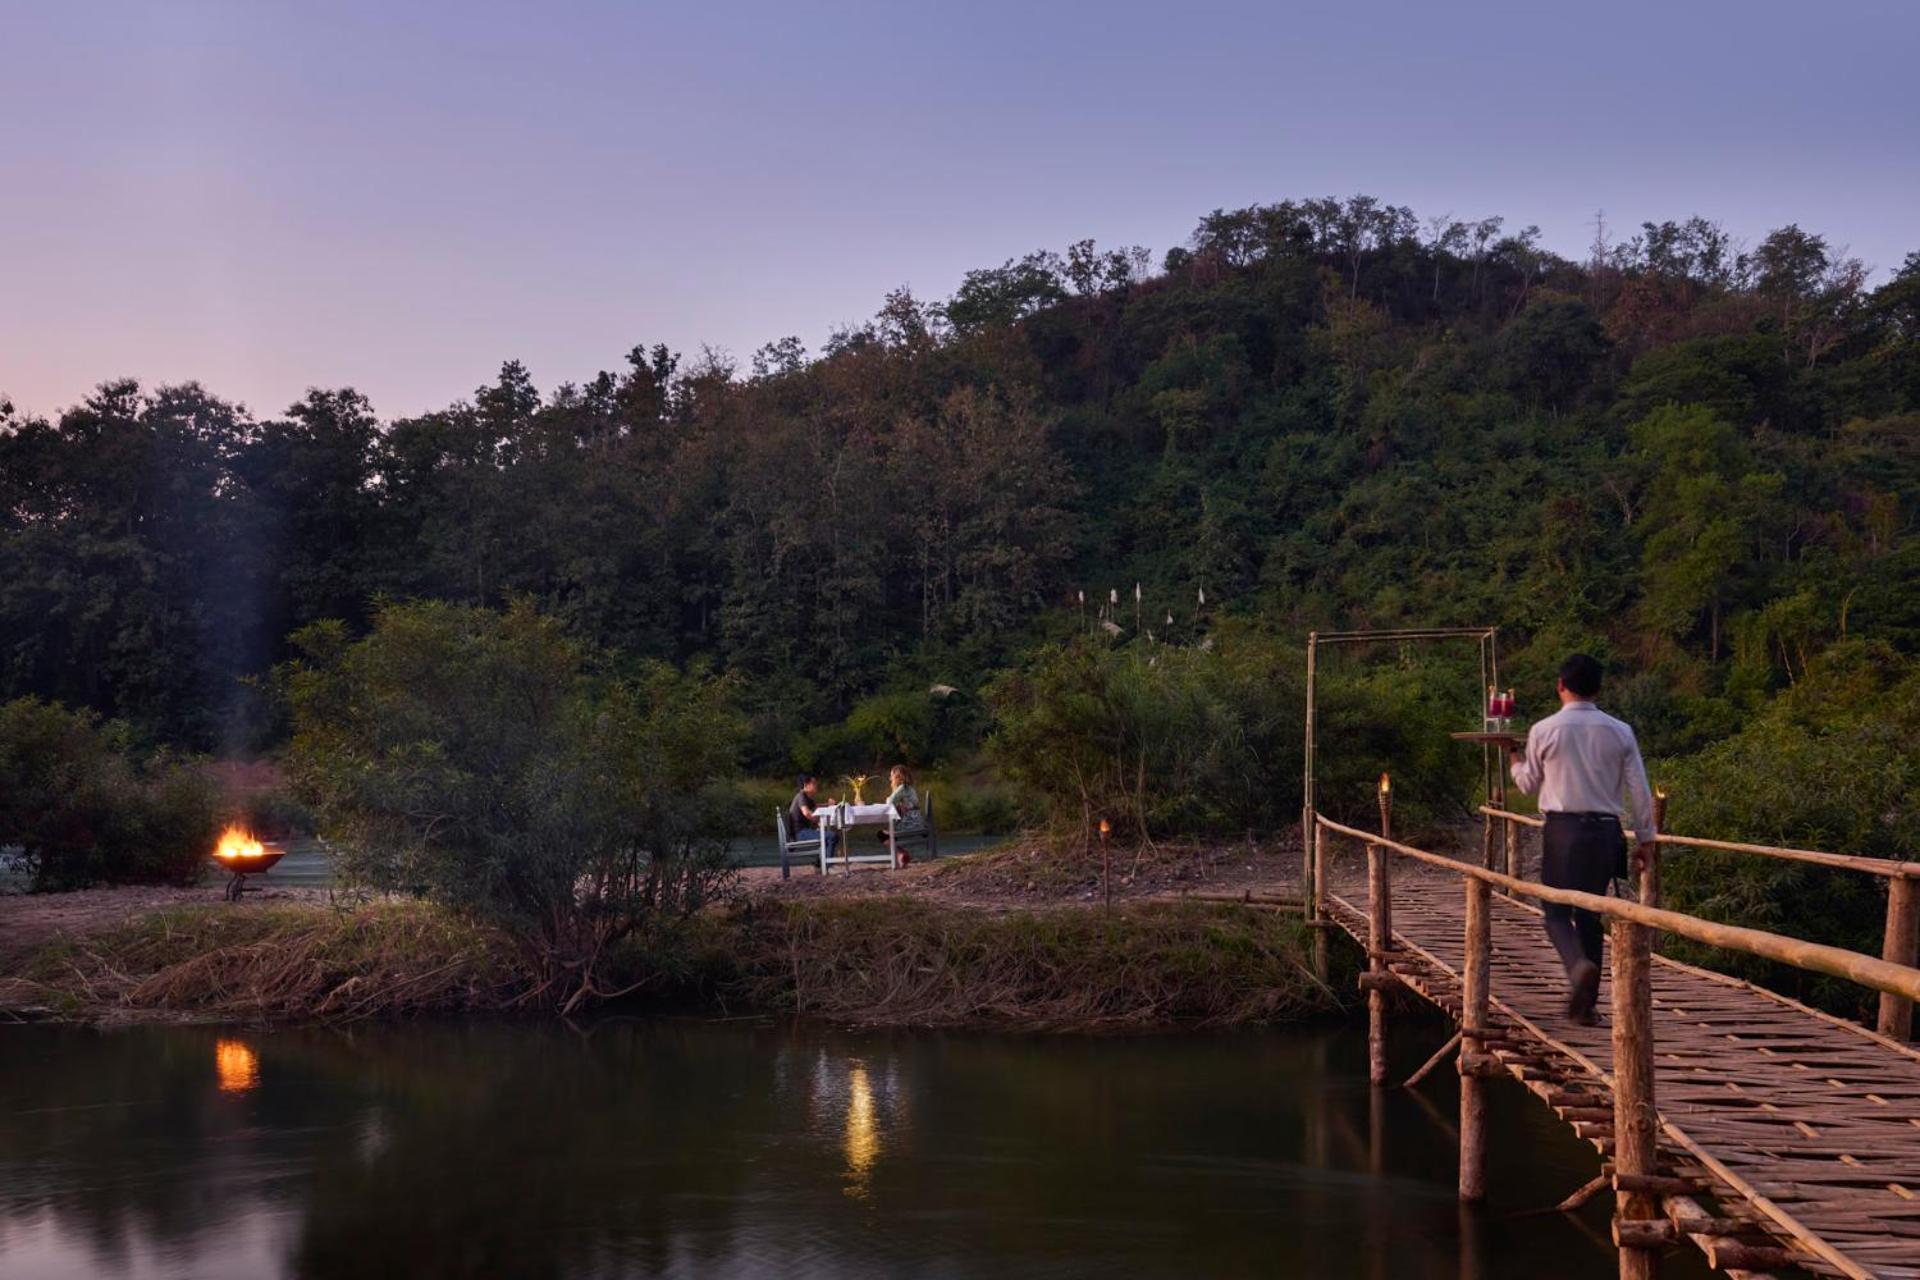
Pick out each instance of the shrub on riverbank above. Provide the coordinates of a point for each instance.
(488, 761)
(81, 805)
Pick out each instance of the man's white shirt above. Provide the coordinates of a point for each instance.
(1582, 760)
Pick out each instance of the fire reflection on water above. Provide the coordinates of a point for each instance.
(237, 1066)
(863, 1134)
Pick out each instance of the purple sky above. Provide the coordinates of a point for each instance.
(399, 196)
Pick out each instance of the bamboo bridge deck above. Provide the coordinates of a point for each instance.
(1788, 1140)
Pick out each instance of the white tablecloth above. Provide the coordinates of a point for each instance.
(857, 815)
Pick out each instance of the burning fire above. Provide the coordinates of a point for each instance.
(237, 842)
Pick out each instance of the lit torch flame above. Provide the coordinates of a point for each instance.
(237, 842)
(1386, 786)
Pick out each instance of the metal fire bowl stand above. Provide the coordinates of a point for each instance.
(244, 867)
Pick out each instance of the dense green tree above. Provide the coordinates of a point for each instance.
(1704, 514)
(1322, 411)
(80, 804)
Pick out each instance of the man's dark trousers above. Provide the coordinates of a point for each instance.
(1578, 851)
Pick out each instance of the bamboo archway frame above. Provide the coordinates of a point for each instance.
(1495, 777)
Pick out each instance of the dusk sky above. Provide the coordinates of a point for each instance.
(398, 197)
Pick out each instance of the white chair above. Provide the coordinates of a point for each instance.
(807, 846)
(925, 835)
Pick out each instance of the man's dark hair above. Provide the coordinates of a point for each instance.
(1581, 675)
(804, 779)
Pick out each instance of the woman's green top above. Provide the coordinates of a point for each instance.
(906, 802)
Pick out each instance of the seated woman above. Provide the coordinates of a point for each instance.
(908, 819)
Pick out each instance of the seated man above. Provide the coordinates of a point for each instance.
(802, 811)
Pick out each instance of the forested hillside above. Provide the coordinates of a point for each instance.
(1698, 459)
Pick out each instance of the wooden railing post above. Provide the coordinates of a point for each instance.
(1487, 844)
(1473, 1025)
(1509, 834)
(1650, 874)
(1379, 939)
(1319, 886)
(1899, 947)
(1635, 1120)
(1310, 864)
(1309, 806)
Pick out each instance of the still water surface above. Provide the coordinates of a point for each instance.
(756, 1149)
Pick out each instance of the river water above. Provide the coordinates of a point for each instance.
(756, 1148)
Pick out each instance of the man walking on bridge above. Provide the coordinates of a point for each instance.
(1582, 762)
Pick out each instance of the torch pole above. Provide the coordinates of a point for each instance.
(1106, 863)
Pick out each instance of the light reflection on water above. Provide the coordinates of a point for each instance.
(863, 1133)
(702, 1149)
(236, 1066)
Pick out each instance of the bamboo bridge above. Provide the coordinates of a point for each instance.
(1775, 1138)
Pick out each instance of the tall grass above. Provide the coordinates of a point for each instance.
(296, 963)
(914, 962)
(897, 962)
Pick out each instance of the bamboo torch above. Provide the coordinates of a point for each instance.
(1106, 862)
(1650, 874)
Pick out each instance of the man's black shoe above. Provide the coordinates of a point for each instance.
(1583, 989)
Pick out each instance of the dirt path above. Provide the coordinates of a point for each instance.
(1029, 875)
(1023, 876)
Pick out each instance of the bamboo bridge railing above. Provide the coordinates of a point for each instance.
(1900, 939)
(1653, 1209)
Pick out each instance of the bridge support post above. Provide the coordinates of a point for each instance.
(1473, 1024)
(1319, 904)
(1635, 1120)
(1899, 947)
(1379, 942)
